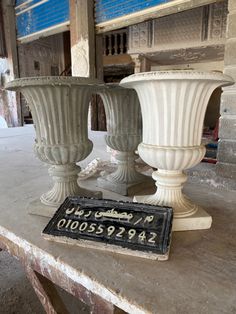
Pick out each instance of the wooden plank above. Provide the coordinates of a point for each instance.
(12, 53)
(3, 50)
(98, 115)
(117, 60)
(101, 114)
(99, 56)
(94, 113)
(82, 34)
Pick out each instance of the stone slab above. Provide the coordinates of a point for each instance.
(201, 267)
(227, 129)
(206, 175)
(227, 151)
(126, 189)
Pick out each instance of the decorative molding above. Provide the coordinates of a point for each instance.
(217, 20)
(140, 36)
(192, 29)
(180, 27)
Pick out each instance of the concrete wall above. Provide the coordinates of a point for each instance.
(227, 145)
(42, 57)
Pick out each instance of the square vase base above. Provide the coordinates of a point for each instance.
(199, 221)
(126, 189)
(37, 208)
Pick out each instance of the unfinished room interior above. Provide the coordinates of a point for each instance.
(117, 156)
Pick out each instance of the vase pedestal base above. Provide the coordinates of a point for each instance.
(36, 207)
(125, 188)
(199, 220)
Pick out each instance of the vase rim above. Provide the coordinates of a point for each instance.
(177, 75)
(53, 80)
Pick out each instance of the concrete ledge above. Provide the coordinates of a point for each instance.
(214, 175)
(227, 151)
(227, 128)
(228, 103)
(226, 170)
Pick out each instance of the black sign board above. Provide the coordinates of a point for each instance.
(131, 227)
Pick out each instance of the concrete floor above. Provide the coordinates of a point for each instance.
(16, 294)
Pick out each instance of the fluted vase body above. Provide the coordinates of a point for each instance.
(124, 127)
(59, 107)
(173, 105)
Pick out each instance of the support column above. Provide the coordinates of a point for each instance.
(141, 63)
(12, 100)
(226, 166)
(137, 63)
(82, 38)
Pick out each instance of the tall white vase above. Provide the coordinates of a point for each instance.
(124, 128)
(59, 107)
(173, 105)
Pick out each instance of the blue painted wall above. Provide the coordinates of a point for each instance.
(41, 17)
(106, 10)
(53, 12)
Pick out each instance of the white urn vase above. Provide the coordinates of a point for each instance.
(59, 107)
(173, 105)
(124, 128)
